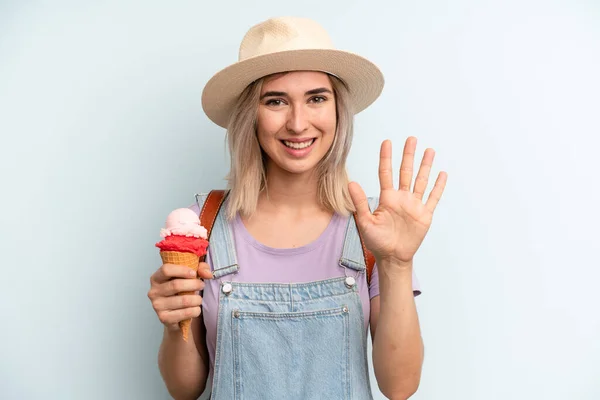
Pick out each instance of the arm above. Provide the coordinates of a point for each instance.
(393, 233)
(397, 342)
(184, 365)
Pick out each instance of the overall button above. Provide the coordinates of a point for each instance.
(227, 288)
(350, 282)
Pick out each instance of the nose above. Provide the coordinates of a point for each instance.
(297, 121)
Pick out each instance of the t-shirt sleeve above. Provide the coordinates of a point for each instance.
(374, 285)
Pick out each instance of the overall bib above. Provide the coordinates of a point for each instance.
(289, 341)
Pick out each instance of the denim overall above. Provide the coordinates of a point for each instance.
(289, 341)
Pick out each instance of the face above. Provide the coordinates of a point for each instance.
(296, 120)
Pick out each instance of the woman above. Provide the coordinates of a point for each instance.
(286, 300)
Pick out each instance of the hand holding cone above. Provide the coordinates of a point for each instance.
(184, 244)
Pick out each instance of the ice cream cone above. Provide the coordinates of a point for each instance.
(191, 261)
(185, 241)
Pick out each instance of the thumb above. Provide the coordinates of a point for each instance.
(359, 199)
(204, 271)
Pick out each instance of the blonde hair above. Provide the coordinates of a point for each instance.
(247, 176)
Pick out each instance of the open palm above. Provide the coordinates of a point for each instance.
(396, 229)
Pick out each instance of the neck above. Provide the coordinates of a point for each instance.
(287, 192)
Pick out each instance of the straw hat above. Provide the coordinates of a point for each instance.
(289, 44)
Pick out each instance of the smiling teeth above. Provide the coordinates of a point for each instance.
(295, 145)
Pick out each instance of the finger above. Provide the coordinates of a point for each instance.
(176, 316)
(170, 271)
(204, 271)
(175, 286)
(423, 175)
(386, 178)
(177, 302)
(360, 201)
(408, 160)
(436, 192)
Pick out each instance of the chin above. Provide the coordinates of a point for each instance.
(295, 169)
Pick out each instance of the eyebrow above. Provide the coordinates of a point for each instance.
(284, 94)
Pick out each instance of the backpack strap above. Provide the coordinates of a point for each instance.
(210, 210)
(369, 257)
(222, 252)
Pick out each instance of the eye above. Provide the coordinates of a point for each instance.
(274, 102)
(318, 99)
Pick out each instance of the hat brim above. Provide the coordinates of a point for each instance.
(363, 78)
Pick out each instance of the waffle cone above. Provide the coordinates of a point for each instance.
(191, 261)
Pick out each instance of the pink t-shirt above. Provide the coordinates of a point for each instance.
(258, 263)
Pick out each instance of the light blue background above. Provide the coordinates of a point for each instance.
(103, 134)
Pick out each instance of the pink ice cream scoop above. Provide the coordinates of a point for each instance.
(183, 222)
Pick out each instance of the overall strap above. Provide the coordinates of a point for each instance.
(211, 205)
(355, 254)
(221, 246)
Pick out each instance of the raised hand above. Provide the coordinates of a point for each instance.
(395, 230)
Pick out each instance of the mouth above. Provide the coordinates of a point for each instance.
(298, 148)
(295, 145)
